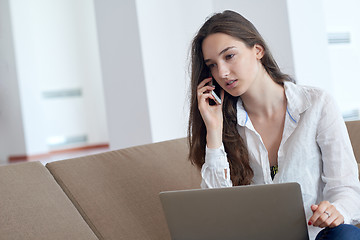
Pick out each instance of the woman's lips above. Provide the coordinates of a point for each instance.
(231, 83)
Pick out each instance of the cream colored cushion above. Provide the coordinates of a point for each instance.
(34, 207)
(117, 192)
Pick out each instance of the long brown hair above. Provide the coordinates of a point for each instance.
(235, 25)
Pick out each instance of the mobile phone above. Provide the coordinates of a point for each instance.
(216, 93)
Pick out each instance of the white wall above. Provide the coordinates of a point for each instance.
(295, 33)
(166, 30)
(144, 51)
(49, 46)
(56, 48)
(272, 21)
(89, 71)
(11, 127)
(123, 73)
(343, 16)
(150, 40)
(25, 45)
(143, 47)
(309, 43)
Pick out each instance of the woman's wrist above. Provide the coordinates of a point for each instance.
(214, 139)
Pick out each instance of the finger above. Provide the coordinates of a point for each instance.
(318, 212)
(337, 222)
(205, 89)
(204, 86)
(328, 214)
(319, 216)
(204, 98)
(330, 219)
(222, 94)
(321, 220)
(204, 82)
(204, 93)
(314, 218)
(314, 207)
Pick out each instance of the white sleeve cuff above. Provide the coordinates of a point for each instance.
(216, 157)
(342, 211)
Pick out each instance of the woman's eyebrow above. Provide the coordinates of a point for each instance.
(226, 49)
(222, 52)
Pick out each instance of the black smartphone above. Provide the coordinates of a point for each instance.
(215, 93)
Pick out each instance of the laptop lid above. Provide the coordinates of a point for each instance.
(255, 212)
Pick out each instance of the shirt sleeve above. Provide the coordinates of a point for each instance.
(340, 171)
(215, 171)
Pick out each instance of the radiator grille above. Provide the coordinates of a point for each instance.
(339, 38)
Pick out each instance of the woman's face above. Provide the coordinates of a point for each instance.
(234, 66)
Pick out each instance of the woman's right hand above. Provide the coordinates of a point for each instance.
(211, 114)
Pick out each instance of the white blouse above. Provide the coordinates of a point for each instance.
(315, 151)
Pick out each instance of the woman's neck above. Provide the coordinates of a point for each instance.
(265, 97)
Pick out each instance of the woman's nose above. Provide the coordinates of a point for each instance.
(223, 70)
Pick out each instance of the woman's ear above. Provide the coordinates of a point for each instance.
(259, 50)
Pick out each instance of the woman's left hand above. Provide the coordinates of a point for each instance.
(325, 215)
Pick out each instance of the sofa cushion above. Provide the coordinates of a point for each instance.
(353, 128)
(117, 191)
(33, 206)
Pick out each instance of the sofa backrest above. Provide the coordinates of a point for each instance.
(33, 206)
(117, 192)
(353, 128)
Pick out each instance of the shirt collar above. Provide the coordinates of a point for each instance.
(297, 103)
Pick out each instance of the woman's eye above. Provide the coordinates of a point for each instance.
(211, 66)
(229, 56)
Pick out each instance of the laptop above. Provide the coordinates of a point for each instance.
(255, 212)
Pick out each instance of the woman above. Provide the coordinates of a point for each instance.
(267, 129)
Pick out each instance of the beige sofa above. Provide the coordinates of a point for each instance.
(113, 195)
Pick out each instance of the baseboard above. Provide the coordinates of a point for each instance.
(22, 158)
